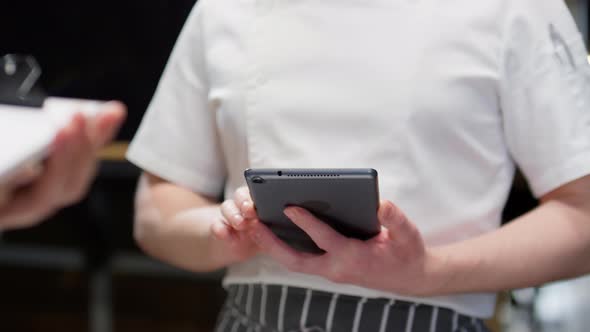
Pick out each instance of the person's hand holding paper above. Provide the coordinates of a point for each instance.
(38, 188)
(23, 176)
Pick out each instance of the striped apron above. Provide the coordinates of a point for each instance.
(277, 308)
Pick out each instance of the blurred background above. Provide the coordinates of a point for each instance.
(81, 271)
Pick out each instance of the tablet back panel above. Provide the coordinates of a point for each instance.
(346, 199)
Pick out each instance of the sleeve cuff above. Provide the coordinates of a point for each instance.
(570, 170)
(194, 179)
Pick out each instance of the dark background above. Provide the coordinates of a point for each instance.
(81, 270)
(96, 49)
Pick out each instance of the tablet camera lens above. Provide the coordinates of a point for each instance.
(257, 179)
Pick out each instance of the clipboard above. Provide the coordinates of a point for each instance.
(29, 120)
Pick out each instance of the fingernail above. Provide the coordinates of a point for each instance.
(245, 205)
(291, 213)
(388, 213)
(238, 219)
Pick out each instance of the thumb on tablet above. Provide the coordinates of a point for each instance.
(394, 219)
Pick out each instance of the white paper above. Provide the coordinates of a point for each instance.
(26, 133)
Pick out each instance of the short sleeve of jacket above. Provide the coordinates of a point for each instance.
(545, 94)
(177, 139)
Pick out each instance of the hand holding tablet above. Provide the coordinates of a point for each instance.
(346, 201)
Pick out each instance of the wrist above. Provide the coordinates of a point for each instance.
(446, 272)
(440, 273)
(219, 252)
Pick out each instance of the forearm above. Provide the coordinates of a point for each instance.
(183, 240)
(549, 243)
(174, 226)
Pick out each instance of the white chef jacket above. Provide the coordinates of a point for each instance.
(442, 98)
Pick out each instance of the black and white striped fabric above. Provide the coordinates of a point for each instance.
(268, 308)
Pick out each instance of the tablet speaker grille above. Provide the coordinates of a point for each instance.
(310, 175)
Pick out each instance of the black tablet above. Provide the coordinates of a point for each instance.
(346, 199)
